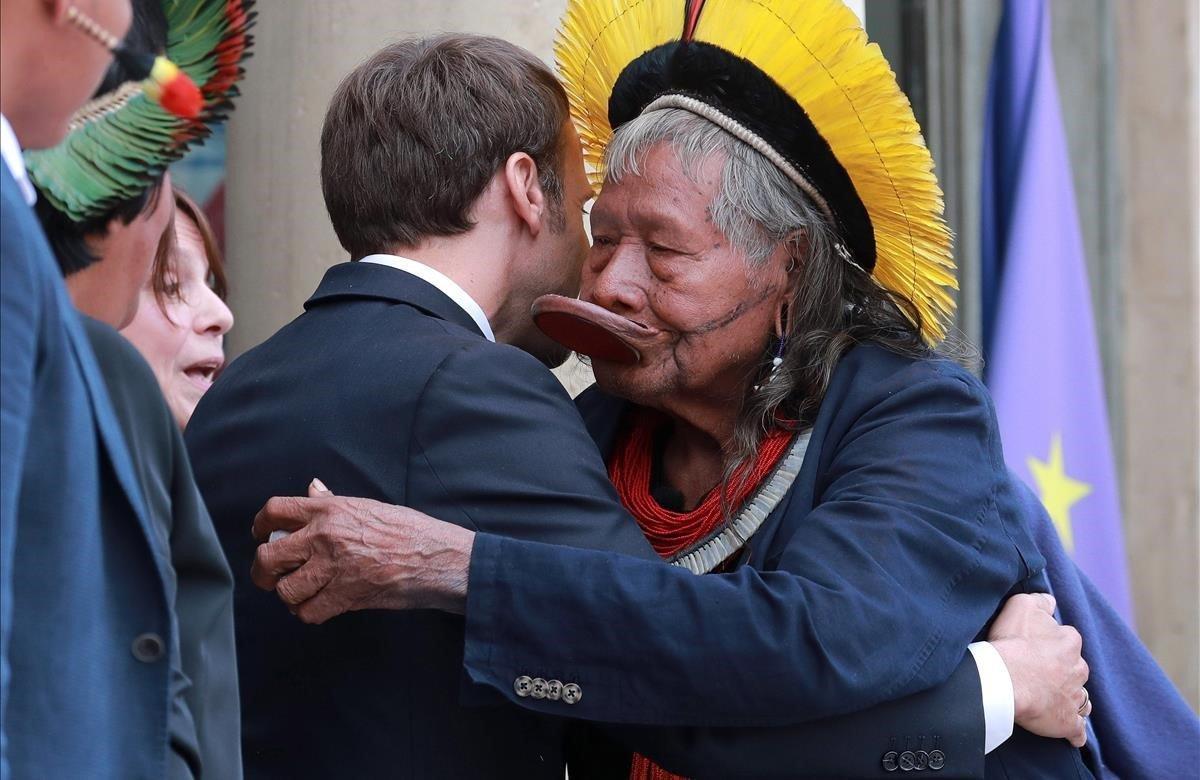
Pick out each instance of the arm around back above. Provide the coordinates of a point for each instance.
(942, 729)
(871, 596)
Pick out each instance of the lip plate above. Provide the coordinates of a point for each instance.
(581, 327)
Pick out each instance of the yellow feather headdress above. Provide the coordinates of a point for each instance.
(811, 54)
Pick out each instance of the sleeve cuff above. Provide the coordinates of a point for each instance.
(998, 702)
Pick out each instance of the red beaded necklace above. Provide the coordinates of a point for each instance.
(670, 532)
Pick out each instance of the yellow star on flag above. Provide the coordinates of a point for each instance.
(1058, 491)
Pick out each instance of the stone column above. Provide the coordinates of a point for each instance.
(1159, 117)
(279, 239)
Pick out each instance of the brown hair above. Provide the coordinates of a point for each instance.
(414, 134)
(160, 274)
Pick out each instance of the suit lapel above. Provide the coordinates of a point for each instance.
(112, 444)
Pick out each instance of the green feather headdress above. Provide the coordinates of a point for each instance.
(120, 142)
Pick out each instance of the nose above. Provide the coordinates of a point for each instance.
(616, 278)
(213, 316)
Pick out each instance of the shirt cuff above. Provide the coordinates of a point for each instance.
(999, 707)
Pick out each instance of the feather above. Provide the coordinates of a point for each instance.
(121, 141)
(817, 53)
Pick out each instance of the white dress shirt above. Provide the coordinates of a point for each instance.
(439, 280)
(10, 149)
(998, 705)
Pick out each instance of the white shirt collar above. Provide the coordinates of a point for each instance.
(10, 149)
(439, 280)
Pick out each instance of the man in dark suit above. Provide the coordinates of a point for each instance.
(389, 386)
(85, 626)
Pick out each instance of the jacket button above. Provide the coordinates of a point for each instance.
(571, 693)
(937, 759)
(522, 685)
(538, 690)
(148, 648)
(908, 761)
(554, 690)
(891, 761)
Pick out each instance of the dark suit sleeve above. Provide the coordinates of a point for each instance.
(873, 596)
(498, 446)
(947, 719)
(21, 302)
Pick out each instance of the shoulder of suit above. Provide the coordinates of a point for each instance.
(501, 362)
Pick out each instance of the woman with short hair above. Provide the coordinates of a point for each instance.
(182, 317)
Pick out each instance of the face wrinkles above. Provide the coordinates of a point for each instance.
(658, 260)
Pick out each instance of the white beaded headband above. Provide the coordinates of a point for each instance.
(759, 144)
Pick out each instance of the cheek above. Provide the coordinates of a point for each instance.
(727, 336)
(160, 339)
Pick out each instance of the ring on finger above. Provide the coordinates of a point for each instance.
(1086, 699)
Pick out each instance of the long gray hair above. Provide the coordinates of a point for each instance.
(834, 306)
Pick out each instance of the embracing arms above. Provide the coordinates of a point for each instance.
(641, 640)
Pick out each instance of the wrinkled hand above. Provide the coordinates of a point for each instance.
(347, 554)
(1047, 669)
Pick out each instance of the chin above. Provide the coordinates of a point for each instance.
(633, 383)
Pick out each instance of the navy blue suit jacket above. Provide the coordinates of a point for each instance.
(385, 388)
(901, 537)
(85, 624)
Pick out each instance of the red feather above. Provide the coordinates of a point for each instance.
(181, 97)
(691, 18)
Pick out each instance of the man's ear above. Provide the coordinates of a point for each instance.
(525, 190)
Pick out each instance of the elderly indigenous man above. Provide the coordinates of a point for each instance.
(86, 620)
(108, 225)
(415, 398)
(764, 287)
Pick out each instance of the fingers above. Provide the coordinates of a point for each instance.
(272, 561)
(1075, 639)
(1045, 602)
(1081, 671)
(304, 583)
(320, 608)
(1025, 615)
(286, 513)
(1078, 737)
(317, 489)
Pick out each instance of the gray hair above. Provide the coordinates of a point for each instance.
(756, 208)
(835, 304)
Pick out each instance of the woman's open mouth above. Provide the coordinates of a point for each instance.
(203, 373)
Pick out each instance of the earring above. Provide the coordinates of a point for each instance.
(165, 83)
(776, 362)
(92, 28)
